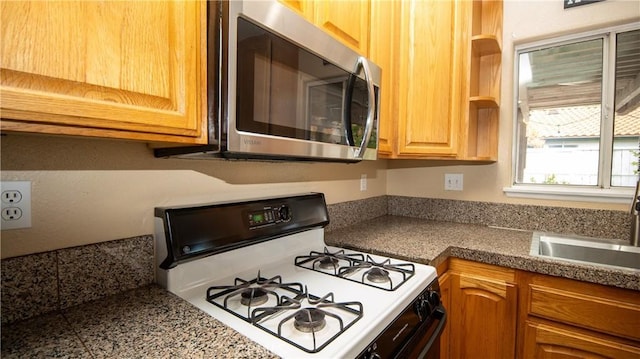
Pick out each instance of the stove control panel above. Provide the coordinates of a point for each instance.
(269, 216)
(191, 232)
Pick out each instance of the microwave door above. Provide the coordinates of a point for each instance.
(324, 110)
(286, 91)
(267, 84)
(290, 102)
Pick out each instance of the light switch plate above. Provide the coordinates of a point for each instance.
(453, 182)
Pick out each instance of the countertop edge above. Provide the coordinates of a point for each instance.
(472, 242)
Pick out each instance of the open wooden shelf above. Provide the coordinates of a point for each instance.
(485, 45)
(481, 137)
(484, 101)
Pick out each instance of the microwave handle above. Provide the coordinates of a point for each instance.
(362, 63)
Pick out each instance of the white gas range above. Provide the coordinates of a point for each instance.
(262, 268)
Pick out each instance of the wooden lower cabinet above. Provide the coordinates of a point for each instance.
(483, 307)
(564, 318)
(555, 341)
(497, 312)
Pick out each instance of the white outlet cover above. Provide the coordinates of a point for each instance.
(453, 182)
(21, 204)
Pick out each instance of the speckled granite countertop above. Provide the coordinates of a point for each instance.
(147, 322)
(432, 242)
(150, 322)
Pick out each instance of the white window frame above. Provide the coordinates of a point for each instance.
(602, 192)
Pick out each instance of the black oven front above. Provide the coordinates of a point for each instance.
(416, 332)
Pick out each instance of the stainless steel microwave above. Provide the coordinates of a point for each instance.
(281, 88)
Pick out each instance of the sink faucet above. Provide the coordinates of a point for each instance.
(635, 217)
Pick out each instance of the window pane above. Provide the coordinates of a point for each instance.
(559, 114)
(626, 141)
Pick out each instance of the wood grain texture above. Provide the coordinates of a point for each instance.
(125, 66)
(593, 307)
(429, 78)
(485, 306)
(479, 129)
(303, 7)
(570, 309)
(385, 19)
(549, 341)
(346, 20)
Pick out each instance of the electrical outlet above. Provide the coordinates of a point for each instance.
(15, 198)
(453, 182)
(11, 213)
(363, 182)
(11, 196)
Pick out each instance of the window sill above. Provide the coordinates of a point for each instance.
(612, 195)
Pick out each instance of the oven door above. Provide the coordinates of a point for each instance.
(288, 96)
(427, 343)
(415, 333)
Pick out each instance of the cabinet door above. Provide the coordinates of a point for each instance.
(430, 78)
(303, 7)
(383, 52)
(552, 342)
(347, 21)
(484, 322)
(127, 69)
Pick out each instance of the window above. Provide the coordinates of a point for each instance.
(578, 111)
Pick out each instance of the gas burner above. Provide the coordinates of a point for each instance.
(250, 294)
(309, 320)
(313, 321)
(378, 275)
(253, 296)
(328, 261)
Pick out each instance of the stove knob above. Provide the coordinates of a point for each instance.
(371, 352)
(434, 298)
(284, 213)
(422, 308)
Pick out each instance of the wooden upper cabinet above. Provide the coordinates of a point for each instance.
(446, 70)
(385, 21)
(429, 79)
(303, 7)
(346, 20)
(480, 123)
(132, 69)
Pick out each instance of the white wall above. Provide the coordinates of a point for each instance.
(524, 21)
(88, 191)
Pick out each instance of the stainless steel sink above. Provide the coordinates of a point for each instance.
(586, 250)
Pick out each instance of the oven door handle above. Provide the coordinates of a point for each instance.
(441, 314)
(371, 106)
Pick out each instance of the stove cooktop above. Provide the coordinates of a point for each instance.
(387, 274)
(262, 268)
(287, 310)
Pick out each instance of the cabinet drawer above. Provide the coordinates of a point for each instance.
(551, 341)
(595, 309)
